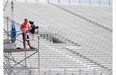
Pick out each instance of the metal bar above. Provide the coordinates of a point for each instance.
(94, 72)
(7, 28)
(17, 62)
(38, 53)
(6, 68)
(109, 2)
(59, 1)
(25, 61)
(69, 1)
(99, 2)
(12, 10)
(48, 1)
(89, 2)
(80, 72)
(80, 2)
(49, 72)
(13, 60)
(25, 58)
(5, 5)
(65, 71)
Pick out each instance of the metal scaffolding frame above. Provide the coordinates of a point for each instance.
(8, 58)
(14, 69)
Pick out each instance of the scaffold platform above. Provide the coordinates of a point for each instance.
(18, 50)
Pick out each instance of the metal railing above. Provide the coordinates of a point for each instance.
(55, 71)
(80, 2)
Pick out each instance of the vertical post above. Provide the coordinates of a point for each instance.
(48, 1)
(7, 28)
(109, 2)
(12, 10)
(65, 71)
(80, 72)
(94, 72)
(58, 73)
(49, 71)
(59, 1)
(69, 1)
(38, 52)
(89, 2)
(99, 2)
(101, 73)
(80, 2)
(25, 61)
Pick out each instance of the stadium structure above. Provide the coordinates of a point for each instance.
(72, 39)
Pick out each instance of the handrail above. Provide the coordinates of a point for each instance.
(80, 2)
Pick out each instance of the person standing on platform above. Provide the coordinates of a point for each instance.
(25, 30)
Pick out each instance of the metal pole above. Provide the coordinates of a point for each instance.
(109, 2)
(48, 1)
(65, 71)
(38, 52)
(101, 73)
(49, 71)
(94, 72)
(5, 5)
(59, 1)
(80, 72)
(25, 61)
(80, 2)
(12, 10)
(99, 2)
(7, 29)
(69, 1)
(89, 2)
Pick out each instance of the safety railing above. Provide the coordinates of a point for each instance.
(65, 71)
(79, 2)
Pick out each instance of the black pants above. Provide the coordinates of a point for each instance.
(25, 37)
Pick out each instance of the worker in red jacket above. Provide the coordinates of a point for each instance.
(25, 29)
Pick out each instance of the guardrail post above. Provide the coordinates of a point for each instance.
(57, 73)
(99, 2)
(80, 72)
(49, 71)
(80, 2)
(7, 28)
(94, 72)
(65, 71)
(59, 1)
(101, 73)
(109, 2)
(72, 73)
(38, 52)
(89, 2)
(69, 1)
(48, 1)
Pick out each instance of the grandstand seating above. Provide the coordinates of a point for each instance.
(95, 41)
